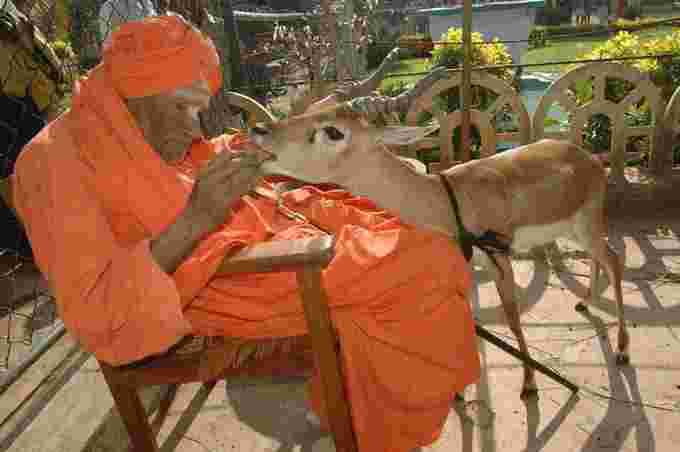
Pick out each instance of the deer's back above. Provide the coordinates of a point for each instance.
(541, 183)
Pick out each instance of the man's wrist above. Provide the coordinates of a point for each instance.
(202, 220)
(179, 240)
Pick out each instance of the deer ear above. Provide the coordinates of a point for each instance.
(403, 135)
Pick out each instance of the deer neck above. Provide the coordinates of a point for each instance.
(418, 199)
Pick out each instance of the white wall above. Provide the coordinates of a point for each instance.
(512, 23)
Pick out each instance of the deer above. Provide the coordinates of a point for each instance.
(513, 201)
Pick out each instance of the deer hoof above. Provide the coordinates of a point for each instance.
(581, 307)
(529, 393)
(622, 359)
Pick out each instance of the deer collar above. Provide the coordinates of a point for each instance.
(490, 242)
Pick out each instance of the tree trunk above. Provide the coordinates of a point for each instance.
(328, 31)
(24, 5)
(620, 8)
(344, 61)
(224, 34)
(85, 31)
(233, 64)
(192, 10)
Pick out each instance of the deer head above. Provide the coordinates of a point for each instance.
(312, 146)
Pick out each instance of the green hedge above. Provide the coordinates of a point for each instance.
(416, 45)
(620, 25)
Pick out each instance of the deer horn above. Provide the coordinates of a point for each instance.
(372, 105)
(347, 91)
(367, 86)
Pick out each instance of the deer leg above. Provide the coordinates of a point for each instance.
(505, 283)
(590, 234)
(593, 289)
(609, 259)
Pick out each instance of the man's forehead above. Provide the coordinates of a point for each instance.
(198, 93)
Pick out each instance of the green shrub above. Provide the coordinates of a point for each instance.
(394, 87)
(484, 53)
(538, 37)
(376, 53)
(622, 24)
(253, 27)
(62, 49)
(665, 74)
(417, 45)
(568, 29)
(597, 133)
(631, 12)
(549, 15)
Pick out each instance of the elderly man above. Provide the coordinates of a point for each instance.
(130, 212)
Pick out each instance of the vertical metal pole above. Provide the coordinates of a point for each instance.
(621, 7)
(466, 85)
(234, 50)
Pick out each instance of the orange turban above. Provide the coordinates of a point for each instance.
(159, 54)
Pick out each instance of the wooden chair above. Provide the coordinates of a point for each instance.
(207, 360)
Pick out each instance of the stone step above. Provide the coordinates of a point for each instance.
(62, 403)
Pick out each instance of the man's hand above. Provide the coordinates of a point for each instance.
(220, 183)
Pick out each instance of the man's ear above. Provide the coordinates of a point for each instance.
(403, 135)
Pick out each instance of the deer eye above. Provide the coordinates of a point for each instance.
(257, 130)
(333, 133)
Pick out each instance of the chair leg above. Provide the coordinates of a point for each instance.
(164, 409)
(133, 414)
(327, 359)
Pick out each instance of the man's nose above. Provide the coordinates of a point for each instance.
(195, 126)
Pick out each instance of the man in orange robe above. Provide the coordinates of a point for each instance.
(130, 213)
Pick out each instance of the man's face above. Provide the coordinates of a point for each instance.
(170, 121)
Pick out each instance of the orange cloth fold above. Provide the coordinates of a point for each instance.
(158, 54)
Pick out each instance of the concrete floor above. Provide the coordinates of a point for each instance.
(634, 408)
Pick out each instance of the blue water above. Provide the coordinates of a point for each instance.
(531, 90)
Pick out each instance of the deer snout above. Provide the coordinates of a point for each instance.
(260, 135)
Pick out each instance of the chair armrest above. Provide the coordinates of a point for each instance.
(283, 255)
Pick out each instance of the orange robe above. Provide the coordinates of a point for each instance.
(397, 294)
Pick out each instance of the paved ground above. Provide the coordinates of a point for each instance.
(635, 408)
